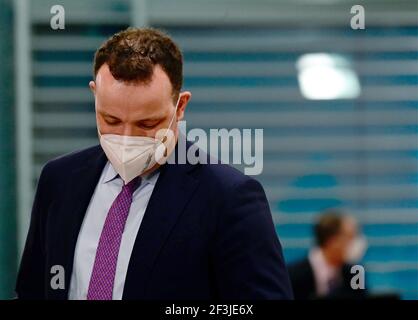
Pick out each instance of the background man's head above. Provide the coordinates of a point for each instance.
(138, 76)
(335, 234)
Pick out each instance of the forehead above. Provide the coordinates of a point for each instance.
(157, 91)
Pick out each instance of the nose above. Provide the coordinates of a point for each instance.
(128, 130)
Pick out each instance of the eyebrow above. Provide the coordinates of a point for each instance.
(105, 114)
(158, 119)
(155, 118)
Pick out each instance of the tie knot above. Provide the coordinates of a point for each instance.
(132, 185)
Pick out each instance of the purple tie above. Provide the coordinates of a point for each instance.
(104, 268)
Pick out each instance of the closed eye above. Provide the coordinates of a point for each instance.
(112, 121)
(109, 119)
(148, 124)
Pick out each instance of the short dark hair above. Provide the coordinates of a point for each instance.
(133, 53)
(328, 225)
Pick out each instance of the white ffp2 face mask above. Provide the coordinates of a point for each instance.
(356, 249)
(130, 156)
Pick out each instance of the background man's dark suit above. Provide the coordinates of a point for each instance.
(207, 233)
(304, 286)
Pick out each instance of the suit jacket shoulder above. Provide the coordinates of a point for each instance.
(302, 279)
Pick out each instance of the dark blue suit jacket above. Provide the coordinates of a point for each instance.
(207, 233)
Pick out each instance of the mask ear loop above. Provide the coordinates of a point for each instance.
(172, 119)
(162, 149)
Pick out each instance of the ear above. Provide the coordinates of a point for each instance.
(92, 86)
(184, 99)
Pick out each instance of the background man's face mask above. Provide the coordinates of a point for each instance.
(356, 249)
(130, 156)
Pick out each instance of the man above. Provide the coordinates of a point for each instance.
(326, 272)
(122, 223)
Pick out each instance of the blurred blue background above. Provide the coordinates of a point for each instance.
(243, 65)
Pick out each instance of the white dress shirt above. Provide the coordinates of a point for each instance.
(324, 273)
(107, 189)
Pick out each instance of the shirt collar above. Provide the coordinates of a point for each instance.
(110, 174)
(317, 258)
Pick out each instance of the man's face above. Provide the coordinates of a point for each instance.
(135, 109)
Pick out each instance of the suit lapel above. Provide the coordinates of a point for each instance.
(69, 216)
(172, 191)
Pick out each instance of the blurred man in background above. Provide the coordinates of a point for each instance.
(326, 272)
